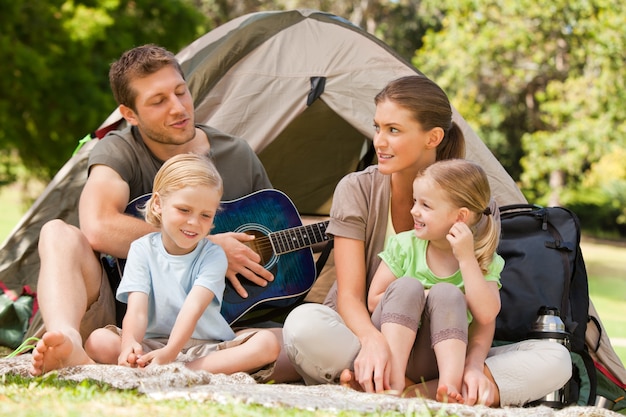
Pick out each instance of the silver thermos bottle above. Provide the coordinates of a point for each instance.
(549, 326)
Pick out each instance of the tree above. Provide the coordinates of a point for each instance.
(57, 53)
(55, 87)
(542, 83)
(395, 22)
(583, 114)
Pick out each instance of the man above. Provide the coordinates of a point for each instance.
(74, 293)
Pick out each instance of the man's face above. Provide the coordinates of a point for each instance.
(164, 108)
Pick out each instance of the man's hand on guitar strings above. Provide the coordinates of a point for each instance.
(242, 260)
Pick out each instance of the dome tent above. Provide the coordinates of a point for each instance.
(298, 85)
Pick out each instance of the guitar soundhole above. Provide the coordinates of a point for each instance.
(262, 246)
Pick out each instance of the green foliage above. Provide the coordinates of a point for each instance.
(543, 85)
(55, 77)
(475, 57)
(601, 202)
(400, 25)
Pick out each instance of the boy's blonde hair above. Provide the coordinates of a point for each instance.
(467, 186)
(180, 171)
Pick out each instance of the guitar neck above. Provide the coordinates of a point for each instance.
(290, 240)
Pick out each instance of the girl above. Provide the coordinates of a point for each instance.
(451, 261)
(174, 281)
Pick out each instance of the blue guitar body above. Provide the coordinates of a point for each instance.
(281, 240)
(283, 244)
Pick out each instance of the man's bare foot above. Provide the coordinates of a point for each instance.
(448, 394)
(346, 379)
(56, 350)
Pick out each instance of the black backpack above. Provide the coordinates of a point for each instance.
(544, 267)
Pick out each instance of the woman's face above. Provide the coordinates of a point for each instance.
(400, 141)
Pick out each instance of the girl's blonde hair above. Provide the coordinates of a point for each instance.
(467, 186)
(180, 171)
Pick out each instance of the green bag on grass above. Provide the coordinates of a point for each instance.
(15, 314)
(611, 389)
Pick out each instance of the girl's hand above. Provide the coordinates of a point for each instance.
(372, 366)
(461, 240)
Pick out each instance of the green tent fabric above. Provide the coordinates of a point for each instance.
(258, 77)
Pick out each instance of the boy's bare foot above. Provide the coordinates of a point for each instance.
(56, 350)
(346, 379)
(448, 394)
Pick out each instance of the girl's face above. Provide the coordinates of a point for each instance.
(186, 217)
(433, 212)
(400, 141)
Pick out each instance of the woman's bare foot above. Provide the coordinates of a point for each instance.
(448, 394)
(56, 350)
(346, 379)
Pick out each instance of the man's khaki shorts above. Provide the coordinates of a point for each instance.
(102, 312)
(99, 314)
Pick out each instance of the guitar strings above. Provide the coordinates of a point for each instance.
(265, 242)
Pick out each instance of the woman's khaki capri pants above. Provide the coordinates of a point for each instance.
(321, 346)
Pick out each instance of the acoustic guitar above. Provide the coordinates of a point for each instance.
(281, 240)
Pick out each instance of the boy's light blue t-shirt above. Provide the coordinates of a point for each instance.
(168, 279)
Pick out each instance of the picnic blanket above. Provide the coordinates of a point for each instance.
(176, 381)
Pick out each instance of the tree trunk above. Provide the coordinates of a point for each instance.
(557, 181)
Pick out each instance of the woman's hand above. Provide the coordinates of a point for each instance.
(372, 366)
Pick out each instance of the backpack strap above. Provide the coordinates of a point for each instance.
(321, 261)
(599, 328)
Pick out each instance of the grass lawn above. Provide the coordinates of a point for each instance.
(53, 397)
(606, 268)
(11, 210)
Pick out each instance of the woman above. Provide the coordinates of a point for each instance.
(414, 128)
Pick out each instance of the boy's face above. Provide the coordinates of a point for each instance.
(187, 217)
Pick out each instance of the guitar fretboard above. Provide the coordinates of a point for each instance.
(290, 240)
